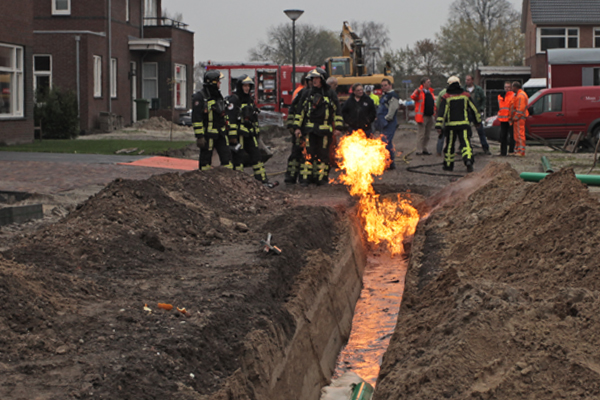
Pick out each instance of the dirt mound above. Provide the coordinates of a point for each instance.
(159, 124)
(73, 323)
(503, 294)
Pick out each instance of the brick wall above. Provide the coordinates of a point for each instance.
(16, 28)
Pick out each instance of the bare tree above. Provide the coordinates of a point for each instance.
(177, 16)
(374, 35)
(481, 32)
(313, 45)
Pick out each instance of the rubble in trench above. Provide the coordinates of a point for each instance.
(502, 296)
(73, 322)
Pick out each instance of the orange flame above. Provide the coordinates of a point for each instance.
(385, 220)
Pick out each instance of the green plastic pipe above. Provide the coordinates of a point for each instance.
(362, 391)
(546, 165)
(592, 180)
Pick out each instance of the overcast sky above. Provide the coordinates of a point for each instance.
(226, 29)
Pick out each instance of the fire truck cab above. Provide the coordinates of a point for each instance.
(272, 83)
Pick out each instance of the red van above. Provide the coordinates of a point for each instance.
(553, 113)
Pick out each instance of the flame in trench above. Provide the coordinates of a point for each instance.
(385, 220)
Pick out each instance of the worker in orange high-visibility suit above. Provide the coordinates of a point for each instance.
(506, 137)
(518, 115)
(424, 114)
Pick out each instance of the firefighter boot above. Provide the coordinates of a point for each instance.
(306, 171)
(291, 175)
(322, 174)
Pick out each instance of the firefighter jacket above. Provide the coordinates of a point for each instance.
(208, 113)
(319, 112)
(504, 102)
(359, 114)
(518, 110)
(419, 97)
(294, 106)
(242, 115)
(456, 108)
(478, 97)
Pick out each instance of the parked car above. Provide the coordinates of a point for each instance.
(553, 113)
(185, 118)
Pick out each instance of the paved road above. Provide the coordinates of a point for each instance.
(50, 173)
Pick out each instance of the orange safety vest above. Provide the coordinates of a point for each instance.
(518, 109)
(299, 88)
(505, 103)
(419, 97)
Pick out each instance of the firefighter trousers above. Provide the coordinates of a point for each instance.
(221, 144)
(519, 133)
(295, 160)
(460, 132)
(315, 168)
(249, 150)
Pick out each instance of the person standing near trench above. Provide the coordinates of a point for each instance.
(387, 122)
(424, 114)
(359, 111)
(505, 103)
(518, 115)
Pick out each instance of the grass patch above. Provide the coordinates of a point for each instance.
(108, 146)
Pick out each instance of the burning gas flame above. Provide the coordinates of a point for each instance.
(385, 221)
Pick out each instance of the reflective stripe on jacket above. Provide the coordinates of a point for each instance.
(505, 104)
(519, 104)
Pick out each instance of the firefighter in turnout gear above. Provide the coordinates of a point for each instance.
(296, 157)
(242, 116)
(208, 120)
(454, 112)
(317, 120)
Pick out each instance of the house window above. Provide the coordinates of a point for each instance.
(97, 76)
(180, 89)
(113, 78)
(42, 74)
(127, 10)
(11, 81)
(596, 37)
(150, 12)
(557, 38)
(150, 81)
(61, 7)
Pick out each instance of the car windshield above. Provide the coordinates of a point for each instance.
(534, 97)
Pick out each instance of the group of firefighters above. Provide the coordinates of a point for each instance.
(230, 126)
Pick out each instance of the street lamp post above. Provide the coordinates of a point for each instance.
(293, 15)
(374, 50)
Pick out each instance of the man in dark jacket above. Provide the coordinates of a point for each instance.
(317, 120)
(455, 113)
(208, 120)
(242, 115)
(359, 110)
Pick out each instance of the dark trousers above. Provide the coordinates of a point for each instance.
(506, 138)
(295, 160)
(221, 144)
(461, 133)
(249, 152)
(316, 166)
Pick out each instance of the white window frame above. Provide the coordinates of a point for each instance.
(17, 92)
(61, 12)
(41, 73)
(596, 35)
(180, 86)
(113, 77)
(565, 36)
(144, 78)
(127, 10)
(97, 65)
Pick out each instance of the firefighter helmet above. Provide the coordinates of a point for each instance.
(212, 77)
(245, 80)
(318, 73)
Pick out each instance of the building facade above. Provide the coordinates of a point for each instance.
(16, 83)
(558, 24)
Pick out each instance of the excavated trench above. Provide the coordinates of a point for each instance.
(345, 309)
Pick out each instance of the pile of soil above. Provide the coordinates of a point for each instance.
(159, 124)
(72, 321)
(503, 294)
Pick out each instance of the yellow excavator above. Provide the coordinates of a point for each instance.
(350, 67)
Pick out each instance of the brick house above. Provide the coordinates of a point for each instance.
(16, 50)
(558, 24)
(111, 62)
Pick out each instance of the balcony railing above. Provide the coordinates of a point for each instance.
(154, 21)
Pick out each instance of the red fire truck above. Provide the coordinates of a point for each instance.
(272, 83)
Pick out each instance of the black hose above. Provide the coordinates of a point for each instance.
(413, 169)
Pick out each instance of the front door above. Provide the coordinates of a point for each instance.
(133, 68)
